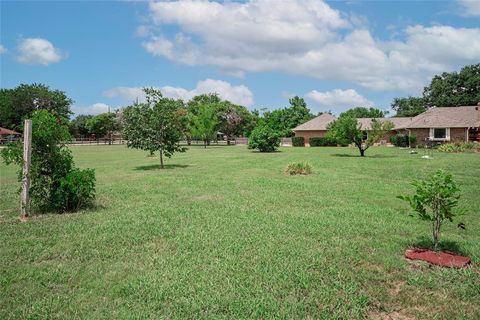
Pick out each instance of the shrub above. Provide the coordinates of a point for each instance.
(434, 200)
(467, 146)
(51, 162)
(412, 139)
(264, 139)
(295, 168)
(76, 190)
(298, 141)
(400, 140)
(322, 141)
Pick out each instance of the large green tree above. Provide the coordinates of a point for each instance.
(455, 88)
(204, 124)
(408, 107)
(17, 103)
(284, 120)
(78, 126)
(346, 129)
(232, 120)
(449, 89)
(102, 125)
(157, 125)
(363, 112)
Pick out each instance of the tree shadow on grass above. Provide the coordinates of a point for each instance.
(424, 242)
(157, 167)
(346, 155)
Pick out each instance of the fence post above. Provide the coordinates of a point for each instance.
(27, 157)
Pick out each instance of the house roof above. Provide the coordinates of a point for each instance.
(453, 117)
(6, 132)
(398, 123)
(318, 123)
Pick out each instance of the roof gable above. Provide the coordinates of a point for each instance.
(448, 117)
(318, 123)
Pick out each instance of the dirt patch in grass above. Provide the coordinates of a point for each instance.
(383, 315)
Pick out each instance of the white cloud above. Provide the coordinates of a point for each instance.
(2, 49)
(469, 8)
(94, 109)
(38, 51)
(338, 100)
(236, 94)
(142, 31)
(306, 37)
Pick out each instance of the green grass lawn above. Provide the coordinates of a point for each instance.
(224, 233)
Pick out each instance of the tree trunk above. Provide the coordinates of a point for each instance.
(362, 152)
(228, 140)
(436, 228)
(161, 158)
(205, 144)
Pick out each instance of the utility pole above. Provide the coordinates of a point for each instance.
(27, 157)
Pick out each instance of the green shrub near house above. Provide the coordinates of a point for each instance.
(412, 139)
(403, 141)
(457, 147)
(322, 142)
(298, 141)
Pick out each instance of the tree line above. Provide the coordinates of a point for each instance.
(207, 116)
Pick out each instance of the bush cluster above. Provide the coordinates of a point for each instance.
(264, 139)
(294, 168)
(55, 183)
(298, 141)
(401, 140)
(457, 147)
(322, 142)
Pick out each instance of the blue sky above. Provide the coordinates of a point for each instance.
(336, 54)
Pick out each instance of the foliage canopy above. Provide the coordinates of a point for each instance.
(19, 102)
(56, 185)
(157, 125)
(346, 130)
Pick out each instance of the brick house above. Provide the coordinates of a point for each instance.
(436, 125)
(317, 127)
(440, 125)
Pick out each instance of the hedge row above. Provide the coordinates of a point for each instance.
(322, 142)
(298, 141)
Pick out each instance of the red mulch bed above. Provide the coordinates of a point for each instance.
(443, 258)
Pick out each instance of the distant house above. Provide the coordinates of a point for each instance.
(436, 125)
(7, 135)
(317, 127)
(446, 124)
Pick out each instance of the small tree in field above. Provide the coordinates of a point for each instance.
(346, 129)
(434, 200)
(156, 125)
(204, 124)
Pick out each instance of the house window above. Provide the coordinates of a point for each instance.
(440, 134)
(365, 135)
